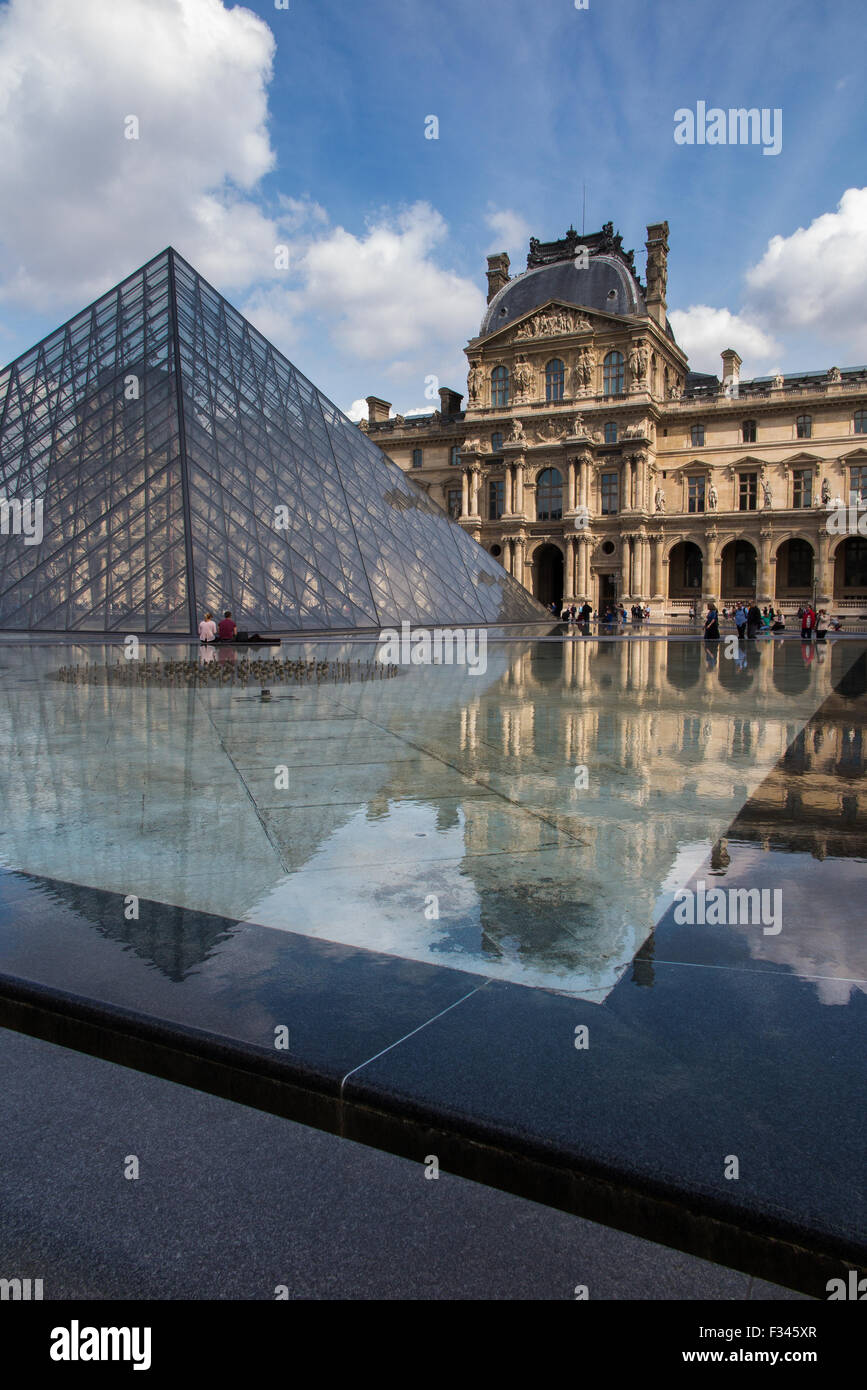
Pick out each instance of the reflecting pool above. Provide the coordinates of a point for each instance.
(531, 822)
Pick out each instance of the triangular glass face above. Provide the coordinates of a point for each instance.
(159, 457)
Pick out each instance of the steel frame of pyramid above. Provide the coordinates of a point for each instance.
(184, 464)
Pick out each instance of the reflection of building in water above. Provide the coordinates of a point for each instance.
(170, 795)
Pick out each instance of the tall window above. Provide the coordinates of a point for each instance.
(802, 487)
(745, 565)
(455, 455)
(612, 374)
(549, 495)
(748, 432)
(554, 375)
(495, 499)
(496, 442)
(804, 426)
(747, 491)
(696, 436)
(500, 386)
(800, 569)
(454, 501)
(416, 458)
(608, 483)
(696, 495)
(611, 433)
(855, 563)
(861, 421)
(858, 486)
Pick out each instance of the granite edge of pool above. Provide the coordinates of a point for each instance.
(743, 1237)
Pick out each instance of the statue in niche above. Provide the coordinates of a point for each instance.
(522, 376)
(638, 360)
(516, 433)
(767, 493)
(826, 492)
(659, 500)
(582, 372)
(712, 498)
(578, 427)
(475, 380)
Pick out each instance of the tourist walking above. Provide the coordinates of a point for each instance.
(741, 621)
(711, 623)
(754, 620)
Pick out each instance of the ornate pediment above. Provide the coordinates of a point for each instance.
(554, 321)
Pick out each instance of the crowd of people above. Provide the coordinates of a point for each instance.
(749, 620)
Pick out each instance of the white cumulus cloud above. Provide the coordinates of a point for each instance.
(511, 232)
(704, 332)
(82, 204)
(384, 293)
(815, 278)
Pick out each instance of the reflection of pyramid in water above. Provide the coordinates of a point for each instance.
(163, 433)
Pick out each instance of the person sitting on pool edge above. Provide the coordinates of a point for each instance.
(207, 628)
(227, 628)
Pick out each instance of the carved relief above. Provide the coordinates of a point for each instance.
(551, 322)
(516, 433)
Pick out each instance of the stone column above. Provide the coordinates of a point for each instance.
(644, 566)
(509, 490)
(656, 566)
(569, 586)
(520, 544)
(709, 576)
(824, 579)
(764, 582)
(465, 493)
(585, 482)
(519, 486)
(570, 485)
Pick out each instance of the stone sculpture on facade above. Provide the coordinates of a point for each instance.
(582, 372)
(638, 363)
(826, 492)
(712, 498)
(659, 500)
(475, 381)
(767, 494)
(522, 377)
(516, 433)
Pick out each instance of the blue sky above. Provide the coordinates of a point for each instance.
(305, 127)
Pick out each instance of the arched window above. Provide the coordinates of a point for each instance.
(611, 432)
(696, 436)
(549, 495)
(612, 374)
(416, 458)
(500, 386)
(496, 442)
(455, 455)
(554, 376)
(804, 426)
(748, 432)
(861, 421)
(799, 571)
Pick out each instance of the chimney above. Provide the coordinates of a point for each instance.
(498, 274)
(731, 372)
(450, 401)
(657, 270)
(377, 410)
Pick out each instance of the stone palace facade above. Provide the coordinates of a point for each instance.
(593, 464)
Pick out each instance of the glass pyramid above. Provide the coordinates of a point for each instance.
(183, 464)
